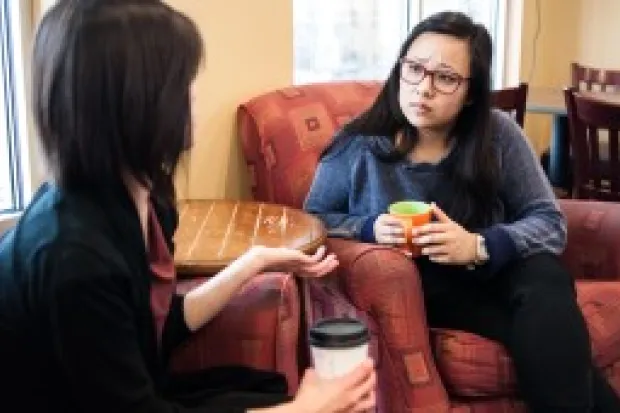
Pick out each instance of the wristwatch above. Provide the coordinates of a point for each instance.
(482, 254)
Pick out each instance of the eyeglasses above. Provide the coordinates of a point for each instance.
(442, 81)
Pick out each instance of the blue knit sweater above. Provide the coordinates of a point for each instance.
(352, 187)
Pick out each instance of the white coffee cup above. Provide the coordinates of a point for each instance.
(338, 346)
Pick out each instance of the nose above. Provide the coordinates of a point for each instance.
(425, 87)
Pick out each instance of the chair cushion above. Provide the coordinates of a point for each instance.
(472, 366)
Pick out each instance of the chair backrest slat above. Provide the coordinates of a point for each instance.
(594, 78)
(512, 100)
(594, 124)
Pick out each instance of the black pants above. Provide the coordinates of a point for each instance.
(227, 389)
(530, 307)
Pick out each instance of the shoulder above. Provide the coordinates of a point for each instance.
(352, 147)
(504, 125)
(506, 133)
(57, 229)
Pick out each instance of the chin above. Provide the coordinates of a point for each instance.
(422, 121)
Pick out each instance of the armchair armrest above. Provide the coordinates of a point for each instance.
(385, 284)
(258, 328)
(593, 248)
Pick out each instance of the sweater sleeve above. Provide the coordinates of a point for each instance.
(328, 197)
(95, 339)
(537, 224)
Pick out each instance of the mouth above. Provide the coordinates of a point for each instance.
(420, 107)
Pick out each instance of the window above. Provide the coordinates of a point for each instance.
(359, 39)
(11, 196)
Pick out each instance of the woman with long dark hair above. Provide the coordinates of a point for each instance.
(489, 262)
(80, 274)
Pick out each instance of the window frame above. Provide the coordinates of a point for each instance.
(500, 35)
(9, 85)
(22, 15)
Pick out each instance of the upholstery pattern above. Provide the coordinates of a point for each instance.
(472, 366)
(418, 371)
(259, 328)
(284, 132)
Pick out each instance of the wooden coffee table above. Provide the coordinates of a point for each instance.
(213, 233)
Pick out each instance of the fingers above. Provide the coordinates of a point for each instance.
(390, 234)
(389, 220)
(324, 267)
(441, 259)
(366, 387)
(431, 228)
(437, 238)
(367, 404)
(359, 376)
(439, 214)
(436, 250)
(319, 254)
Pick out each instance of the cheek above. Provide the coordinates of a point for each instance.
(404, 96)
(452, 104)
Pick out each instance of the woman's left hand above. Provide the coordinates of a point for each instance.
(445, 241)
(295, 261)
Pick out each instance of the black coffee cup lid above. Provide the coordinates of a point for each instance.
(339, 333)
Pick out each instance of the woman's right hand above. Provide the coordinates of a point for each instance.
(353, 393)
(389, 230)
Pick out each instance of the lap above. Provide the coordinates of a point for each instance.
(228, 387)
(459, 299)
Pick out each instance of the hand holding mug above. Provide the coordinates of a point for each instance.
(445, 241)
(389, 230)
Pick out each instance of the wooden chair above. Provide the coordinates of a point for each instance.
(593, 78)
(511, 100)
(592, 122)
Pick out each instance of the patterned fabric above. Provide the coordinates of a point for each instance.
(472, 366)
(282, 133)
(258, 328)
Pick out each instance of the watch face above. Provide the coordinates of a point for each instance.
(482, 248)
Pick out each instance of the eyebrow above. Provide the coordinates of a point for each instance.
(426, 59)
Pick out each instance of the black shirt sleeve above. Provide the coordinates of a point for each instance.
(175, 328)
(95, 338)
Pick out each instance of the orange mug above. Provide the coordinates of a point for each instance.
(411, 214)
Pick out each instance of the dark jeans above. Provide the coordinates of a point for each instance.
(228, 389)
(531, 308)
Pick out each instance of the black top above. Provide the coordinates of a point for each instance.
(76, 328)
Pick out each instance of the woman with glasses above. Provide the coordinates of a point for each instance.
(489, 261)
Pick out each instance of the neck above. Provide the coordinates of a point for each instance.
(140, 196)
(433, 138)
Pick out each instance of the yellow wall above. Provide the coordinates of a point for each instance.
(249, 51)
(599, 33)
(585, 31)
(546, 61)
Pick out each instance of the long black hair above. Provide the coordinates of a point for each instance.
(473, 169)
(111, 86)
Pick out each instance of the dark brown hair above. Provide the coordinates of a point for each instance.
(474, 169)
(111, 85)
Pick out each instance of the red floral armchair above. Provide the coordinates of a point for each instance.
(282, 133)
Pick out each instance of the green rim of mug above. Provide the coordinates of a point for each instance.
(409, 208)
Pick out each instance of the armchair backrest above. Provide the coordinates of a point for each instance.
(593, 248)
(283, 133)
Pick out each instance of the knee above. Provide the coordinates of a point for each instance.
(540, 277)
(381, 277)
